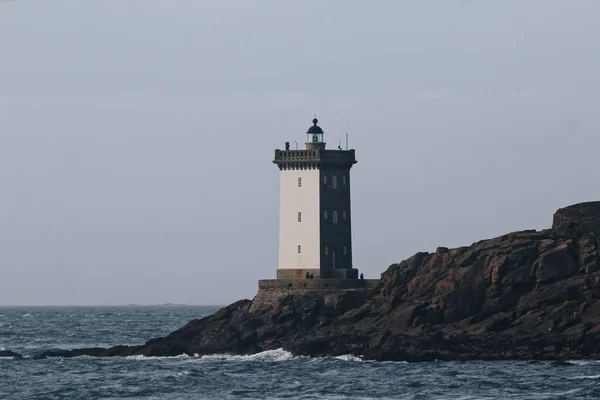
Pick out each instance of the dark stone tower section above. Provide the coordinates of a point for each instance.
(335, 229)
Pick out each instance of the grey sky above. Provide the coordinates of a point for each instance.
(136, 137)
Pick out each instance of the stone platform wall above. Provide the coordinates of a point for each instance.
(271, 291)
(327, 274)
(297, 273)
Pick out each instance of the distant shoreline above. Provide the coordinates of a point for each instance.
(109, 305)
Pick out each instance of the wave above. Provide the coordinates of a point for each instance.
(583, 362)
(264, 356)
(277, 355)
(142, 357)
(585, 377)
(349, 357)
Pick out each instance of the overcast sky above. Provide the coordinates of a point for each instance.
(136, 137)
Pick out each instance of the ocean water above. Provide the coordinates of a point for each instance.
(269, 375)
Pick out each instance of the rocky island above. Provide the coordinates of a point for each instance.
(530, 295)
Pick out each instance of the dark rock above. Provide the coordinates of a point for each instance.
(8, 353)
(557, 262)
(526, 295)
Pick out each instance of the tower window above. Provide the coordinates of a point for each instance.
(335, 218)
(344, 214)
(299, 217)
(334, 182)
(299, 182)
(343, 180)
(345, 251)
(299, 249)
(325, 179)
(326, 250)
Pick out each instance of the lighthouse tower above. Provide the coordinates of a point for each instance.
(314, 210)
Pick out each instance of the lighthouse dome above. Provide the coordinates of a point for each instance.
(315, 128)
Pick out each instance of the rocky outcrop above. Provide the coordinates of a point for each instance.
(9, 354)
(524, 295)
(577, 219)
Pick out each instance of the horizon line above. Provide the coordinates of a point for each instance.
(112, 305)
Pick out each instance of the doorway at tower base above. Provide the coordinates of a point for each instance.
(300, 273)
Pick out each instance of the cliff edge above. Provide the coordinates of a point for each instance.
(524, 295)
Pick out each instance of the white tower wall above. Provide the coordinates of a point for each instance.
(306, 233)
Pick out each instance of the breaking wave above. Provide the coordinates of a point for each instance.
(348, 357)
(583, 362)
(277, 355)
(142, 357)
(585, 377)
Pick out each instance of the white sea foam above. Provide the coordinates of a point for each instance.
(264, 356)
(276, 355)
(585, 377)
(2, 349)
(583, 362)
(141, 357)
(349, 357)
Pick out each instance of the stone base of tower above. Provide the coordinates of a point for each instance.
(300, 273)
(351, 273)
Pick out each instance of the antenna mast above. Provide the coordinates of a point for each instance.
(346, 134)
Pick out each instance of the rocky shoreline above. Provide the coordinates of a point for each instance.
(529, 295)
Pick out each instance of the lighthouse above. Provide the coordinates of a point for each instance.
(315, 218)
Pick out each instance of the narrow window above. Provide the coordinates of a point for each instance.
(299, 182)
(344, 214)
(299, 249)
(299, 217)
(345, 251)
(326, 250)
(344, 180)
(325, 179)
(325, 214)
(335, 219)
(334, 182)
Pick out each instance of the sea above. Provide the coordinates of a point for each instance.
(274, 374)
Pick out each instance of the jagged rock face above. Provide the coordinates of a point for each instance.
(519, 296)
